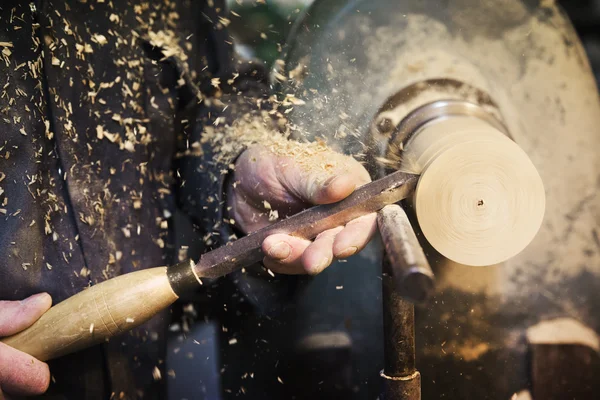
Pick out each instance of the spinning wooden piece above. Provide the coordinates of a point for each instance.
(480, 199)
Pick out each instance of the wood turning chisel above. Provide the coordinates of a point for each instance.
(117, 305)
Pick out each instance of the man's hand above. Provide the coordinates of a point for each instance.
(21, 374)
(267, 185)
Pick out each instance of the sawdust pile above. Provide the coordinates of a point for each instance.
(228, 141)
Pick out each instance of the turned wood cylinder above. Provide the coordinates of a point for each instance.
(480, 200)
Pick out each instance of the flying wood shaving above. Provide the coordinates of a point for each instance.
(100, 39)
(290, 100)
(228, 140)
(6, 51)
(273, 215)
(224, 21)
(101, 133)
(230, 81)
(167, 42)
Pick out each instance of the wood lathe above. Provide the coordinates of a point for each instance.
(113, 307)
(457, 108)
(448, 90)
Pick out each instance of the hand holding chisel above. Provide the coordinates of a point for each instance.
(117, 305)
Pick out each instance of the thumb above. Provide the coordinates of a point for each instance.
(15, 316)
(322, 185)
(332, 189)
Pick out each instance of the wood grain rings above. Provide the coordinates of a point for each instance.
(480, 199)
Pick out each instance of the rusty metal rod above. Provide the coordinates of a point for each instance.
(398, 326)
(410, 269)
(401, 379)
(407, 279)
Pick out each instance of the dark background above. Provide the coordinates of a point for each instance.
(274, 18)
(585, 15)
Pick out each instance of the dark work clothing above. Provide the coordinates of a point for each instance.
(101, 103)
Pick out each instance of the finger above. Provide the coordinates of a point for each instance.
(256, 196)
(334, 189)
(283, 253)
(355, 236)
(319, 254)
(334, 177)
(22, 374)
(338, 185)
(18, 315)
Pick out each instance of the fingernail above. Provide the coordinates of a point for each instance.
(280, 251)
(319, 267)
(348, 252)
(317, 186)
(330, 180)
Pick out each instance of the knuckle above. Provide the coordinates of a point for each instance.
(330, 233)
(321, 235)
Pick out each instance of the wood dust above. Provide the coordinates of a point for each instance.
(227, 141)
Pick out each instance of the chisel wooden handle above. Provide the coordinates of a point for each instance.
(97, 314)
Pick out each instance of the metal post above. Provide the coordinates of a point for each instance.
(402, 381)
(406, 276)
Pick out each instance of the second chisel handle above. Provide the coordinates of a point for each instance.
(96, 314)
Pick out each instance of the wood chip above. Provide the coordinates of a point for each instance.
(273, 215)
(156, 374)
(100, 39)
